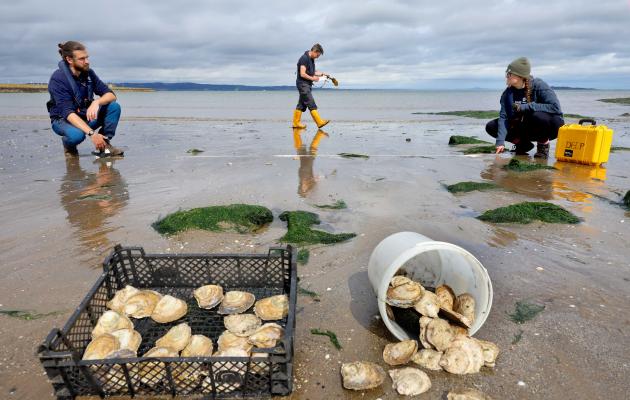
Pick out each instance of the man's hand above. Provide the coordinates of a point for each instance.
(92, 111)
(500, 149)
(99, 141)
(315, 78)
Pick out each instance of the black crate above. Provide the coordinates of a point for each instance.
(265, 373)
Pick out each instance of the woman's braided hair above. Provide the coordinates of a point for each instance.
(528, 90)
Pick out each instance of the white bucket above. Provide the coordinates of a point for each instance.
(432, 264)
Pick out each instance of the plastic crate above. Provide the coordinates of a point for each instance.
(265, 373)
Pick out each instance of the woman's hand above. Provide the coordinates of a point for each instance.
(500, 149)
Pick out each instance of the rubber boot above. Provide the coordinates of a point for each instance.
(297, 116)
(316, 139)
(297, 138)
(318, 120)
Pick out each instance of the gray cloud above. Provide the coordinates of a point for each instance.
(398, 44)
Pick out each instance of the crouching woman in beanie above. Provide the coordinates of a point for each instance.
(530, 112)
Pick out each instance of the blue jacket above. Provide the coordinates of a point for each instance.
(66, 99)
(543, 99)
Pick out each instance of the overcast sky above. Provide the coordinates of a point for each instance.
(368, 44)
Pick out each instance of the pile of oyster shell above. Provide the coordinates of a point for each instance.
(114, 335)
(444, 321)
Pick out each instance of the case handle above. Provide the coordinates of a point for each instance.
(591, 120)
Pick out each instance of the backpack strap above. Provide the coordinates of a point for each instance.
(75, 89)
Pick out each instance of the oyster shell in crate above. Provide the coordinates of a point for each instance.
(129, 339)
(177, 338)
(121, 296)
(465, 305)
(235, 302)
(272, 308)
(112, 378)
(267, 335)
(242, 325)
(464, 356)
(428, 305)
(428, 358)
(410, 381)
(198, 346)
(101, 346)
(403, 292)
(399, 353)
(362, 375)
(229, 340)
(228, 375)
(208, 296)
(446, 296)
(153, 372)
(169, 309)
(141, 304)
(111, 321)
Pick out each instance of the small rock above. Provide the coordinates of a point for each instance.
(409, 140)
(521, 383)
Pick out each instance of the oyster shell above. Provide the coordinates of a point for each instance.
(141, 304)
(272, 308)
(428, 305)
(113, 379)
(169, 309)
(362, 375)
(198, 346)
(228, 376)
(446, 296)
(403, 292)
(242, 325)
(117, 302)
(267, 335)
(410, 381)
(440, 334)
(153, 373)
(100, 347)
(229, 340)
(428, 358)
(129, 339)
(235, 302)
(490, 352)
(464, 356)
(399, 353)
(177, 338)
(465, 305)
(208, 296)
(111, 321)
(424, 322)
(455, 317)
(467, 394)
(187, 376)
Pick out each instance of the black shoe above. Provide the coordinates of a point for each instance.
(70, 151)
(542, 151)
(522, 148)
(109, 151)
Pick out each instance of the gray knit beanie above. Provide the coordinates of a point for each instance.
(520, 67)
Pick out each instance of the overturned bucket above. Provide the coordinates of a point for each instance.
(432, 264)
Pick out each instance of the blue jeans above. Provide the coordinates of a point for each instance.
(107, 118)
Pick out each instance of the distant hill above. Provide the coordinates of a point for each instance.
(189, 86)
(570, 88)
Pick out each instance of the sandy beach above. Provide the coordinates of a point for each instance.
(60, 218)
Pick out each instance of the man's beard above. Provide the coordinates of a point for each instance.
(84, 68)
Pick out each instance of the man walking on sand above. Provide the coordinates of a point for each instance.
(74, 113)
(306, 75)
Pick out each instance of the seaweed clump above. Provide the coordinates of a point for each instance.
(524, 166)
(526, 212)
(470, 186)
(619, 100)
(242, 218)
(524, 312)
(338, 205)
(467, 113)
(456, 139)
(331, 335)
(481, 150)
(299, 230)
(302, 256)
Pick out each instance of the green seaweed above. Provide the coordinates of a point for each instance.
(576, 116)
(302, 256)
(331, 335)
(524, 166)
(27, 315)
(194, 151)
(619, 148)
(338, 205)
(299, 230)
(95, 197)
(310, 293)
(481, 150)
(489, 114)
(625, 115)
(526, 212)
(518, 337)
(353, 155)
(524, 312)
(242, 218)
(619, 100)
(626, 199)
(457, 139)
(470, 186)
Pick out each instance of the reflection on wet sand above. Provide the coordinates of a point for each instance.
(306, 175)
(90, 199)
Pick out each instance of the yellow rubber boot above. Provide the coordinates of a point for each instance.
(318, 120)
(297, 138)
(316, 139)
(297, 116)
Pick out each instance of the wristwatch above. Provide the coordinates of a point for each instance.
(90, 133)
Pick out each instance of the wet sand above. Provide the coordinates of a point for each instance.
(61, 218)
